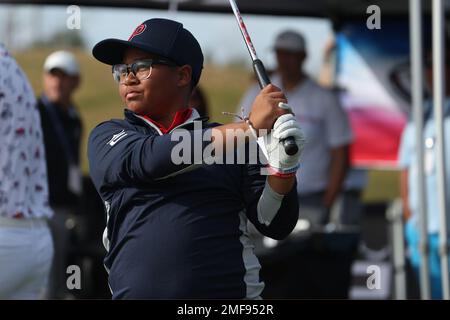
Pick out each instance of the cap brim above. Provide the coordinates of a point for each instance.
(67, 71)
(111, 51)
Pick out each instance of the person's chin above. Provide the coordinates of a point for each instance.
(137, 107)
(54, 98)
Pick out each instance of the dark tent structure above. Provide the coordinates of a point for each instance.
(347, 9)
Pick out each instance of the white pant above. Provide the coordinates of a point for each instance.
(26, 251)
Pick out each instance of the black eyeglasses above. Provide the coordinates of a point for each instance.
(141, 69)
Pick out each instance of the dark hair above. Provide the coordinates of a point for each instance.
(199, 102)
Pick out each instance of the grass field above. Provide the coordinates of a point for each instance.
(98, 101)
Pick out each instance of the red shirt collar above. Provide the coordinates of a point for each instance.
(180, 117)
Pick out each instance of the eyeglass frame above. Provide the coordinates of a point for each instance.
(131, 67)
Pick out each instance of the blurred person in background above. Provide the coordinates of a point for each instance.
(26, 247)
(62, 129)
(328, 134)
(409, 180)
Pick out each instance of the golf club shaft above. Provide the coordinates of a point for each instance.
(290, 147)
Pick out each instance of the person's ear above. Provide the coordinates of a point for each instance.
(302, 56)
(184, 75)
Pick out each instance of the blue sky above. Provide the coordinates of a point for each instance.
(218, 34)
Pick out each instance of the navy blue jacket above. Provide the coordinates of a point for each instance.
(173, 232)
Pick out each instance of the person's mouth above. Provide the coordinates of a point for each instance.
(132, 94)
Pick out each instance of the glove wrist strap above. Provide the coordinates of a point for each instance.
(289, 173)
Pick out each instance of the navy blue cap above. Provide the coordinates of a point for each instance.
(163, 37)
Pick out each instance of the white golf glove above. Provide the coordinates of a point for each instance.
(282, 164)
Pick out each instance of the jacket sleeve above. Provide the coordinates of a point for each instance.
(122, 156)
(285, 219)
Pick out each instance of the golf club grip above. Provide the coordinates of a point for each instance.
(261, 73)
(290, 147)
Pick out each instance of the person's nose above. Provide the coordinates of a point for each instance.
(58, 85)
(130, 79)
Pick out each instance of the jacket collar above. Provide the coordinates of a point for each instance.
(135, 118)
